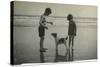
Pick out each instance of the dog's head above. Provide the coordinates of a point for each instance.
(54, 34)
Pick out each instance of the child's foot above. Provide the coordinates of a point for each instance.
(43, 50)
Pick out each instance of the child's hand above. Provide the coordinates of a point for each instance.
(46, 27)
(51, 23)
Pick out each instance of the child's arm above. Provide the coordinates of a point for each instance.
(50, 23)
(75, 28)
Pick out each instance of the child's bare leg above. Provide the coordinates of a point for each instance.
(72, 41)
(41, 42)
(42, 49)
(69, 41)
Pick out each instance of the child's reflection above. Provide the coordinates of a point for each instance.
(42, 57)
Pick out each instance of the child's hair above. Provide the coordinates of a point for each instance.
(69, 17)
(48, 10)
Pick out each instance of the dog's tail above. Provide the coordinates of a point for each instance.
(54, 35)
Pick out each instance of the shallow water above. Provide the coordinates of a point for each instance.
(26, 44)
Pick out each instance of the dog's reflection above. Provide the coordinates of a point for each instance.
(67, 57)
(58, 57)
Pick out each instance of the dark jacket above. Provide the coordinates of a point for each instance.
(72, 28)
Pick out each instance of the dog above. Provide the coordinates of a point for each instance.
(59, 41)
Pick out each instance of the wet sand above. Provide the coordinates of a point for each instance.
(26, 45)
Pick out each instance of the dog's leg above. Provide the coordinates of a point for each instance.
(65, 43)
(55, 37)
(57, 45)
(67, 49)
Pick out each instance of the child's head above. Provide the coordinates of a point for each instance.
(47, 11)
(69, 17)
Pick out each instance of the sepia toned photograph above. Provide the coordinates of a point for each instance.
(52, 32)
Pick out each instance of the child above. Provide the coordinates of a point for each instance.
(71, 30)
(42, 27)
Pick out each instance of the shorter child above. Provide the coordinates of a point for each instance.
(71, 30)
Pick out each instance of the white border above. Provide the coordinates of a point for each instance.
(5, 33)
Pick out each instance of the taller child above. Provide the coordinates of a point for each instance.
(42, 27)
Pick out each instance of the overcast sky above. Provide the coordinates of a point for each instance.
(31, 8)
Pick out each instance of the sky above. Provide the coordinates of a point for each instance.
(33, 8)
